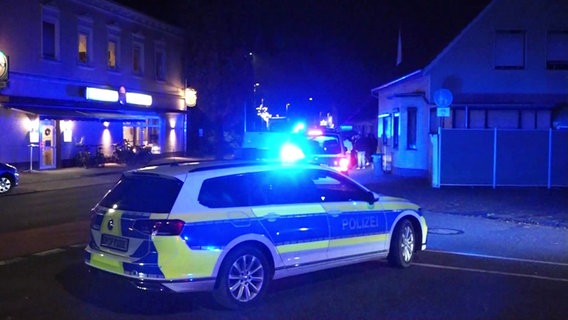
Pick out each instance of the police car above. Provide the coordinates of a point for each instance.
(233, 227)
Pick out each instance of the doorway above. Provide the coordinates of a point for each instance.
(47, 145)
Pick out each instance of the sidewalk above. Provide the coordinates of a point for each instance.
(538, 206)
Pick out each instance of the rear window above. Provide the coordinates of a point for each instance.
(144, 192)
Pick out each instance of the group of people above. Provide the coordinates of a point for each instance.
(362, 149)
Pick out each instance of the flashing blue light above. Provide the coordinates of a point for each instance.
(290, 153)
(299, 127)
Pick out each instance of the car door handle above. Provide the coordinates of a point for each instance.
(271, 217)
(335, 213)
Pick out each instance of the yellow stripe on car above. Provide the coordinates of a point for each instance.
(296, 247)
(175, 258)
(358, 240)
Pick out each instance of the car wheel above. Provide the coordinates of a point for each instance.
(243, 278)
(402, 244)
(5, 184)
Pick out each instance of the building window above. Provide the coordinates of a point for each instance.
(50, 34)
(395, 129)
(557, 50)
(510, 49)
(138, 58)
(384, 129)
(112, 46)
(83, 47)
(85, 40)
(160, 61)
(411, 128)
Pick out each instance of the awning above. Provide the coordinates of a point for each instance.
(82, 110)
(100, 115)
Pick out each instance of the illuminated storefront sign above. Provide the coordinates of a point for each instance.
(101, 94)
(139, 98)
(107, 95)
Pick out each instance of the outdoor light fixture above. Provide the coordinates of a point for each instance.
(190, 97)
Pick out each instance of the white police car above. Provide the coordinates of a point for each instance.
(232, 227)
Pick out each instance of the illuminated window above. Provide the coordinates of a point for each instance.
(510, 49)
(82, 50)
(84, 40)
(111, 54)
(411, 128)
(50, 33)
(557, 50)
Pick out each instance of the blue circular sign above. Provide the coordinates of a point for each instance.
(443, 98)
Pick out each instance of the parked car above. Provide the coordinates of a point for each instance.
(9, 178)
(232, 227)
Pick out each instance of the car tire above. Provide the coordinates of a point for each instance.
(402, 246)
(243, 278)
(6, 184)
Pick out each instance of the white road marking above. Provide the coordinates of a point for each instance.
(48, 252)
(427, 265)
(10, 261)
(560, 264)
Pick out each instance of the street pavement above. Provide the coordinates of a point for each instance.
(477, 221)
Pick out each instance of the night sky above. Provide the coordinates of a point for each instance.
(334, 51)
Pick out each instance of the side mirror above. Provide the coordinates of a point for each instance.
(371, 197)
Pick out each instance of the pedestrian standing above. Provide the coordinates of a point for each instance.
(360, 147)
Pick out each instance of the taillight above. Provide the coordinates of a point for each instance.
(159, 227)
(343, 164)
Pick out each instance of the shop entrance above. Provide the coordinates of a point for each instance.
(47, 145)
(141, 133)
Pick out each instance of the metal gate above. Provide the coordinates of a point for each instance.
(501, 157)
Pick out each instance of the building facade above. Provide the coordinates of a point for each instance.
(87, 74)
(508, 69)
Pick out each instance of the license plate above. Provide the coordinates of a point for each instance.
(113, 242)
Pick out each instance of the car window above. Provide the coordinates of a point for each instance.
(332, 187)
(144, 193)
(225, 192)
(286, 186)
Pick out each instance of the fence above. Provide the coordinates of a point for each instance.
(500, 157)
